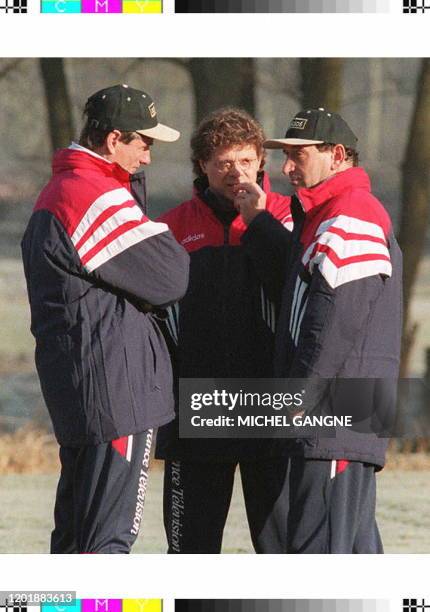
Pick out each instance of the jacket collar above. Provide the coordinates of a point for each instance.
(333, 186)
(222, 208)
(77, 157)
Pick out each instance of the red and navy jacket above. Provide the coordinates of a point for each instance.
(95, 267)
(224, 326)
(341, 313)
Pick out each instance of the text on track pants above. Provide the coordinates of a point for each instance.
(100, 495)
(197, 496)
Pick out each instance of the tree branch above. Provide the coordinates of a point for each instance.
(11, 66)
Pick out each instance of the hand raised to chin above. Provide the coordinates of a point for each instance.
(250, 201)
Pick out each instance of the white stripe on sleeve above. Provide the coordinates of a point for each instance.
(116, 197)
(352, 225)
(124, 241)
(354, 271)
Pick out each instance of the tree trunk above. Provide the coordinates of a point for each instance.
(322, 83)
(60, 119)
(221, 82)
(374, 110)
(415, 214)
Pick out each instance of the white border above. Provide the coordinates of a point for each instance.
(169, 35)
(223, 576)
(392, 34)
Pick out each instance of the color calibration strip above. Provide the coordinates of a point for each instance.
(89, 605)
(282, 6)
(101, 6)
(282, 605)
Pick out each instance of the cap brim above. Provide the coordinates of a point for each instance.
(161, 132)
(280, 143)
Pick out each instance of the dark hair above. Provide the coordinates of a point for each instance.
(92, 137)
(226, 127)
(351, 155)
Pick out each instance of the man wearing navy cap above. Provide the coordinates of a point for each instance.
(97, 270)
(340, 321)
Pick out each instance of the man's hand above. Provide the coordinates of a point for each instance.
(250, 201)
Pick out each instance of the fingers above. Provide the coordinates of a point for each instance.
(251, 188)
(249, 201)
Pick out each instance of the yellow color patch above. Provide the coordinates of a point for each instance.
(140, 605)
(142, 6)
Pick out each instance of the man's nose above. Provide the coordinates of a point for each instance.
(145, 158)
(287, 167)
(235, 169)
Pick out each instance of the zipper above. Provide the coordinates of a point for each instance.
(226, 234)
(226, 229)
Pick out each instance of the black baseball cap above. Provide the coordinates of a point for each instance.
(123, 108)
(315, 126)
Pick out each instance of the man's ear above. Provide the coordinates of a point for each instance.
(339, 155)
(202, 166)
(261, 162)
(112, 140)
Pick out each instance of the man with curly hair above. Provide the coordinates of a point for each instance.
(223, 327)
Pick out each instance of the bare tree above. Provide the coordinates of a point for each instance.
(415, 214)
(9, 67)
(60, 119)
(374, 109)
(219, 82)
(322, 82)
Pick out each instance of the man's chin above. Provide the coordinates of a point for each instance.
(230, 194)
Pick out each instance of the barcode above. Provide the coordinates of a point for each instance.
(13, 6)
(416, 6)
(415, 605)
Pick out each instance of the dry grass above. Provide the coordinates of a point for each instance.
(33, 451)
(28, 451)
(407, 461)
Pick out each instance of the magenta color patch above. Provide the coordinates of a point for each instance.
(100, 605)
(102, 6)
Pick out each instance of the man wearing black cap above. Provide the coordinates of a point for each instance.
(340, 319)
(97, 270)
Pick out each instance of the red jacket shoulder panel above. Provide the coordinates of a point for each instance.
(79, 182)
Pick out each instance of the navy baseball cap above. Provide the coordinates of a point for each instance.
(123, 108)
(315, 126)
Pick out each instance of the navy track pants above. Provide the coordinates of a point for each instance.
(101, 495)
(197, 497)
(332, 508)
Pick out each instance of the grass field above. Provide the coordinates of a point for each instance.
(27, 503)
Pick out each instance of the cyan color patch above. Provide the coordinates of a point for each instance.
(75, 605)
(101, 605)
(101, 6)
(61, 6)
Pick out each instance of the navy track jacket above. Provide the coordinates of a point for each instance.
(96, 267)
(341, 312)
(224, 326)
